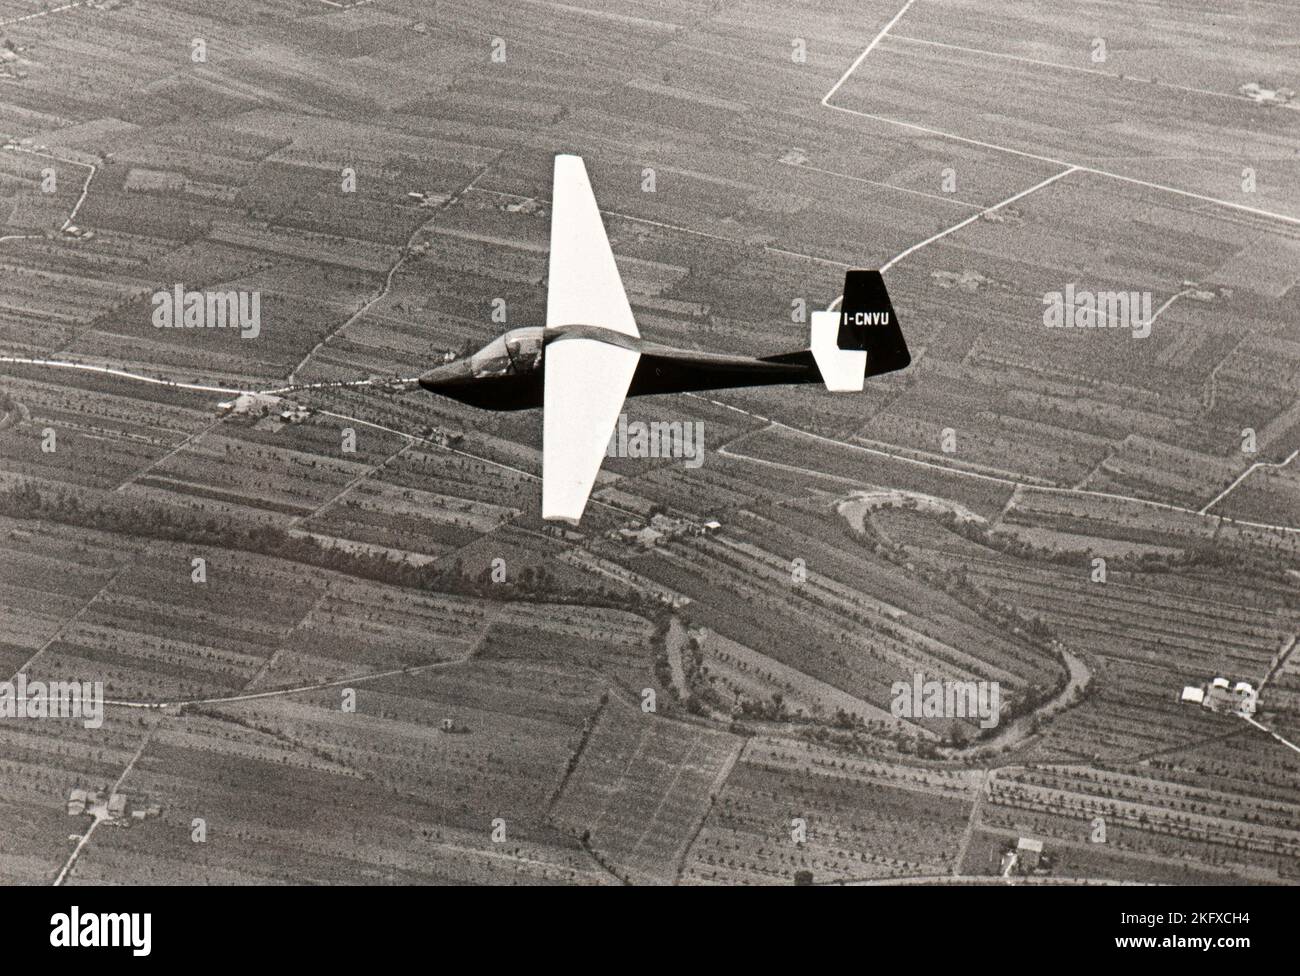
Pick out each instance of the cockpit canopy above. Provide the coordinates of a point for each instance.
(518, 351)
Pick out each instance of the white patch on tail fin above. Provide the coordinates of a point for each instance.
(843, 370)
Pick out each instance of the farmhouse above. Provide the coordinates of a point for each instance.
(253, 404)
(660, 527)
(1223, 696)
(1245, 698)
(646, 538)
(1266, 96)
(429, 199)
(1026, 857)
(77, 800)
(116, 809)
(1029, 852)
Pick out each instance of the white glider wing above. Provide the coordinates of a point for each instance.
(586, 380)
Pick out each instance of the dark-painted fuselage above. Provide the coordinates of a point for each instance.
(507, 373)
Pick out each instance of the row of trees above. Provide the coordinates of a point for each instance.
(132, 517)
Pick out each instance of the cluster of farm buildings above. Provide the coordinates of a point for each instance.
(1222, 696)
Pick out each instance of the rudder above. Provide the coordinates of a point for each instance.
(868, 322)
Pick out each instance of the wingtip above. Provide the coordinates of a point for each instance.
(566, 519)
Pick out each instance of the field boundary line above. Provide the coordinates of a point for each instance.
(1279, 661)
(42, 13)
(1264, 728)
(930, 130)
(1112, 75)
(120, 373)
(281, 692)
(1082, 168)
(404, 255)
(951, 201)
(192, 438)
(63, 627)
(965, 222)
(85, 186)
(1242, 477)
(715, 788)
(343, 492)
(272, 658)
(974, 217)
(863, 56)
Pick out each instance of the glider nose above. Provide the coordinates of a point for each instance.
(456, 373)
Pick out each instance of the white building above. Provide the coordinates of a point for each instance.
(1029, 851)
(1193, 694)
(1222, 696)
(1247, 697)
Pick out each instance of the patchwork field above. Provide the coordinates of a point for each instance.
(336, 640)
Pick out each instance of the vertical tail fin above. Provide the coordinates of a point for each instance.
(868, 321)
(862, 339)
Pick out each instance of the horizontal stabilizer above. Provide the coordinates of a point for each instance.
(843, 370)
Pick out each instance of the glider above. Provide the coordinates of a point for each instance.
(589, 357)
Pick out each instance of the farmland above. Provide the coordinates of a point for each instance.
(337, 642)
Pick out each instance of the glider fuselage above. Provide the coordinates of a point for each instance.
(507, 373)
